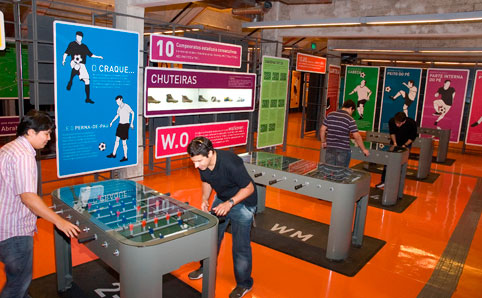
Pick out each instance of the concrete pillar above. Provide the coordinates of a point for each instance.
(136, 25)
(272, 49)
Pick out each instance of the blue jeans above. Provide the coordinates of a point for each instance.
(241, 218)
(17, 254)
(338, 157)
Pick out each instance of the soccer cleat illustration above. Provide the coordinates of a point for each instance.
(169, 98)
(227, 99)
(151, 99)
(240, 99)
(213, 99)
(202, 99)
(186, 99)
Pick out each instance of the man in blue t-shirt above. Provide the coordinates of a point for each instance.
(236, 199)
(335, 135)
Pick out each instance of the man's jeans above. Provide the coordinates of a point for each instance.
(241, 218)
(17, 254)
(338, 157)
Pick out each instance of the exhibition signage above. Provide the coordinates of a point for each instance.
(474, 127)
(8, 125)
(8, 75)
(174, 49)
(310, 63)
(170, 91)
(96, 95)
(2, 31)
(400, 93)
(444, 99)
(295, 89)
(333, 88)
(173, 140)
(273, 98)
(361, 84)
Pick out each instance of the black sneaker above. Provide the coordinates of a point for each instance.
(88, 100)
(124, 159)
(380, 185)
(111, 155)
(474, 124)
(196, 274)
(239, 292)
(392, 98)
(69, 85)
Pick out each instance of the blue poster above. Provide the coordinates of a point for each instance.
(400, 93)
(96, 89)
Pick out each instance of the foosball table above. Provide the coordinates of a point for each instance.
(139, 232)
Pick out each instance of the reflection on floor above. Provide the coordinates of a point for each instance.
(416, 239)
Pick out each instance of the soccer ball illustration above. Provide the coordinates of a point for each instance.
(442, 110)
(102, 146)
(77, 59)
(362, 74)
(388, 89)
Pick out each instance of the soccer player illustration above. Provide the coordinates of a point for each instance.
(363, 96)
(443, 104)
(78, 53)
(122, 133)
(476, 122)
(409, 97)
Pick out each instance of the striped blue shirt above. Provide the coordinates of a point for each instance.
(339, 126)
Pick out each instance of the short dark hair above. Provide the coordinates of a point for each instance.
(119, 97)
(36, 120)
(400, 117)
(411, 81)
(200, 146)
(447, 81)
(79, 33)
(349, 104)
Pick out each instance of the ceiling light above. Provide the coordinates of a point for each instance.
(374, 50)
(379, 20)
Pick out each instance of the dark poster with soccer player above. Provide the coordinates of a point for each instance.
(96, 83)
(444, 99)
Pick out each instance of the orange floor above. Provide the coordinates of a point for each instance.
(415, 238)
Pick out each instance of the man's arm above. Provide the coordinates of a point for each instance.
(223, 208)
(38, 207)
(393, 137)
(115, 118)
(132, 116)
(95, 56)
(323, 135)
(206, 193)
(359, 142)
(63, 58)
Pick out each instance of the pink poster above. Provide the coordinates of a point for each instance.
(175, 49)
(474, 129)
(443, 104)
(173, 140)
(333, 91)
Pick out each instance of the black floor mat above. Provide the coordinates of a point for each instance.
(411, 173)
(376, 201)
(96, 275)
(282, 231)
(447, 162)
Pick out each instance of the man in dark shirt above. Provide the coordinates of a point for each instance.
(78, 53)
(403, 131)
(235, 198)
(443, 104)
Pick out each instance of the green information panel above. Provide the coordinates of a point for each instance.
(272, 104)
(361, 84)
(8, 72)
